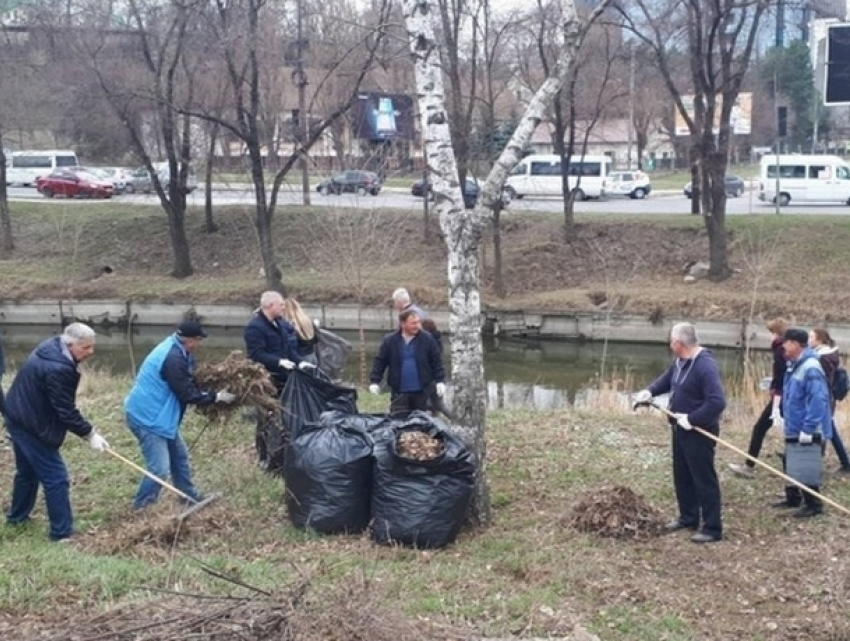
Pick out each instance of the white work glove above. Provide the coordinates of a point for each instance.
(684, 423)
(374, 388)
(305, 365)
(643, 396)
(285, 363)
(316, 323)
(804, 439)
(441, 389)
(779, 422)
(97, 442)
(225, 396)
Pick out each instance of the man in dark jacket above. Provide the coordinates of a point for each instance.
(40, 410)
(696, 398)
(155, 407)
(412, 361)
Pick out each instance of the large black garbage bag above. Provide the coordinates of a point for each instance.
(332, 353)
(420, 503)
(328, 474)
(309, 393)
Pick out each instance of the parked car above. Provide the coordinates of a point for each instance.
(634, 184)
(74, 183)
(120, 177)
(471, 189)
(359, 182)
(734, 187)
(140, 180)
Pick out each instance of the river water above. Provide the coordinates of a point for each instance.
(520, 374)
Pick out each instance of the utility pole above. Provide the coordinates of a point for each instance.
(303, 127)
(631, 103)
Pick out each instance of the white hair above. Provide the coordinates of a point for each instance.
(76, 333)
(269, 298)
(686, 333)
(401, 295)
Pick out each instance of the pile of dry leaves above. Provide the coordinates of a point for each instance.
(616, 512)
(250, 381)
(419, 446)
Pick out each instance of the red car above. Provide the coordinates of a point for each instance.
(74, 183)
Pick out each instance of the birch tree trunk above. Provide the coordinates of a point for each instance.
(463, 228)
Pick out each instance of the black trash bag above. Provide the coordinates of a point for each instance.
(329, 474)
(309, 393)
(420, 503)
(332, 353)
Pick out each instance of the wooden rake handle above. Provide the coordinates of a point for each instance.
(770, 469)
(152, 477)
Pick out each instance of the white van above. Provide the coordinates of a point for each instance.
(26, 167)
(540, 175)
(804, 178)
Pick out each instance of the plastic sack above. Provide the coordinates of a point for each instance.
(309, 393)
(328, 473)
(420, 503)
(332, 353)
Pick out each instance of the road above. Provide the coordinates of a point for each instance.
(659, 203)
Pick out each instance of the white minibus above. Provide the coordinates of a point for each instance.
(804, 178)
(25, 167)
(540, 175)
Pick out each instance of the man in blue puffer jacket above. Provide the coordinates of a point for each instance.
(40, 411)
(155, 408)
(808, 422)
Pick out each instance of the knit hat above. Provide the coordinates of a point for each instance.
(191, 329)
(797, 335)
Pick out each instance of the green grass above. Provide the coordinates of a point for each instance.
(528, 571)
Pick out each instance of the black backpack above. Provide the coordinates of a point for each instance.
(840, 384)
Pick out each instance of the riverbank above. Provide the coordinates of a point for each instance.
(529, 574)
(625, 266)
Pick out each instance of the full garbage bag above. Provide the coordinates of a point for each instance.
(420, 503)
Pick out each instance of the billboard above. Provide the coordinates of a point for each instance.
(741, 119)
(383, 116)
(837, 89)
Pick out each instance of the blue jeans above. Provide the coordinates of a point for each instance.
(37, 463)
(163, 456)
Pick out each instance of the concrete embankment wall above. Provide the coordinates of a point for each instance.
(592, 326)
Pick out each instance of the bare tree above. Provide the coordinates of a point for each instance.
(239, 30)
(717, 39)
(358, 247)
(463, 228)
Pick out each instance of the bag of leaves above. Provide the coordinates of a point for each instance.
(332, 353)
(421, 483)
(329, 472)
(309, 393)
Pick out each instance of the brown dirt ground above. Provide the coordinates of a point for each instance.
(625, 265)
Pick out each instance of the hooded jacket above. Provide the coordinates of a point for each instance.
(43, 396)
(806, 397)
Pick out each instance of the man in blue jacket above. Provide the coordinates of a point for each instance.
(40, 410)
(155, 407)
(271, 340)
(696, 398)
(808, 422)
(412, 360)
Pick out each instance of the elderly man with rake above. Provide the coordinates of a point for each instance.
(696, 398)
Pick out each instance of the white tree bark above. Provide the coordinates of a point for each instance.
(463, 228)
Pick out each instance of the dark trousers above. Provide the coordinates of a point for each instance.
(697, 487)
(840, 450)
(2, 401)
(762, 425)
(404, 403)
(37, 463)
